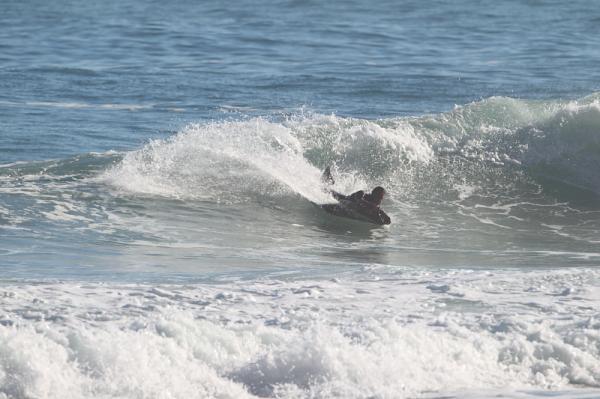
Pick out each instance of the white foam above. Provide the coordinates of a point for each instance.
(237, 161)
(382, 333)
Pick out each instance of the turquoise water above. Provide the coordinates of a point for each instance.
(159, 166)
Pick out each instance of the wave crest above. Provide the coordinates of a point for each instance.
(238, 160)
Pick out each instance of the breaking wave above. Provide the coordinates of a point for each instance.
(235, 160)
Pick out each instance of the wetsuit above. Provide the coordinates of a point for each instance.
(366, 202)
(358, 197)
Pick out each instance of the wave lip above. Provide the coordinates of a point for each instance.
(244, 158)
(238, 160)
(228, 160)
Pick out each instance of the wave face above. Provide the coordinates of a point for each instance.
(554, 139)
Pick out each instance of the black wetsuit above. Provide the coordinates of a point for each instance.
(357, 197)
(368, 204)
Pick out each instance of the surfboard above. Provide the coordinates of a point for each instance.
(356, 211)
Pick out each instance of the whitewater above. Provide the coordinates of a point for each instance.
(385, 332)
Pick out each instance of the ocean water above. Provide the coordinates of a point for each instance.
(160, 165)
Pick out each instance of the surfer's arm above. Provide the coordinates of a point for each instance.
(326, 177)
(337, 195)
(356, 196)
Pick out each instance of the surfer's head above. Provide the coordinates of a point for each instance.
(377, 194)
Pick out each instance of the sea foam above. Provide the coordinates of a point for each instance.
(387, 333)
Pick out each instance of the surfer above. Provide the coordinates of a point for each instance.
(372, 199)
(367, 205)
